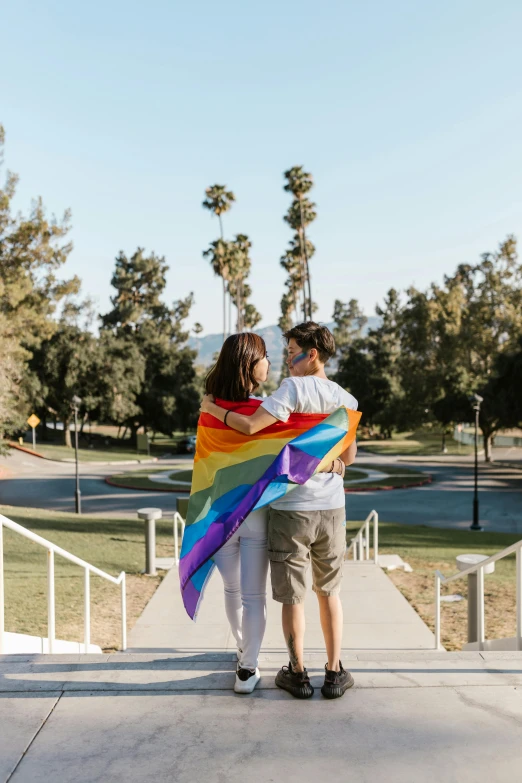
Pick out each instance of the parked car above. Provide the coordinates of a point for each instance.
(187, 445)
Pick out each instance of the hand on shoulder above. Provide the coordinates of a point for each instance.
(206, 402)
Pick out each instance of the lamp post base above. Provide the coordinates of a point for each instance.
(475, 524)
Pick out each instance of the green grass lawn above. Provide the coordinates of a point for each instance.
(113, 545)
(427, 549)
(419, 443)
(58, 452)
(104, 449)
(139, 479)
(398, 477)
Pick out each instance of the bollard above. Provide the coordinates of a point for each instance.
(463, 563)
(150, 515)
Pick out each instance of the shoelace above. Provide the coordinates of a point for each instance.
(303, 675)
(332, 676)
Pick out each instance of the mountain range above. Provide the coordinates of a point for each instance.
(207, 347)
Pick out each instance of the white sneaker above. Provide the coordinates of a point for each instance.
(246, 680)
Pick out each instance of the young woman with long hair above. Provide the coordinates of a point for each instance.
(241, 367)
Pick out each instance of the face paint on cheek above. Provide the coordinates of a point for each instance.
(299, 358)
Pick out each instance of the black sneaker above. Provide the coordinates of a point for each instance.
(336, 683)
(296, 683)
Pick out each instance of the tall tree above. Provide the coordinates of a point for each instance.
(11, 370)
(33, 248)
(168, 396)
(349, 321)
(64, 367)
(220, 253)
(300, 214)
(219, 200)
(239, 269)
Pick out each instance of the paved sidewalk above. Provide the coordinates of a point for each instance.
(376, 616)
(108, 719)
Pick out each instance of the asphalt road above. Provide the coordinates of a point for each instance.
(38, 483)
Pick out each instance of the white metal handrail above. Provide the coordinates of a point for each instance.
(89, 569)
(360, 543)
(479, 569)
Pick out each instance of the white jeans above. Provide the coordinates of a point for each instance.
(243, 565)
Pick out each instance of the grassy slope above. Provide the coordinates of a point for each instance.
(429, 548)
(113, 545)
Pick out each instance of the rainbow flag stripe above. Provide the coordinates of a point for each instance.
(235, 474)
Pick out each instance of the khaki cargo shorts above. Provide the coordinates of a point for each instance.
(297, 537)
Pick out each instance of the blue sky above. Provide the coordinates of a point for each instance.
(408, 114)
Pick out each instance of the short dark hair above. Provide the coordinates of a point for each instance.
(232, 376)
(311, 335)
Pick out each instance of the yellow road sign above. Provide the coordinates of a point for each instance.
(33, 421)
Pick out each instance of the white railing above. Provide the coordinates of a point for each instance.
(479, 569)
(89, 569)
(360, 543)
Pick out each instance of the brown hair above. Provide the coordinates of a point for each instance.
(232, 376)
(311, 335)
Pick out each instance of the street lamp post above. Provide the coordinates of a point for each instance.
(477, 399)
(76, 402)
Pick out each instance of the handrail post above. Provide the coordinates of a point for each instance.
(519, 599)
(86, 610)
(176, 545)
(480, 608)
(367, 534)
(123, 614)
(51, 619)
(376, 538)
(437, 611)
(2, 595)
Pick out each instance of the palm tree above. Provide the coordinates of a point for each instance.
(219, 200)
(299, 183)
(219, 253)
(240, 265)
(292, 263)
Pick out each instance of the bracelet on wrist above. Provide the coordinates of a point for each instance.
(225, 419)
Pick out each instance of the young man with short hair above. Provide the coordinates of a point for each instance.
(308, 524)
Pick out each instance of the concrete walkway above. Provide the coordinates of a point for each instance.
(170, 714)
(108, 719)
(376, 617)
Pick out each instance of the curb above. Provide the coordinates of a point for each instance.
(150, 461)
(389, 489)
(346, 491)
(23, 448)
(143, 489)
(506, 465)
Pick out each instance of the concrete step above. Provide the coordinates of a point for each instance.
(132, 717)
(216, 671)
(21, 643)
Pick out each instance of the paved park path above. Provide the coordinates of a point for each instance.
(376, 616)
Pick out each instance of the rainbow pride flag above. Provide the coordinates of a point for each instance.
(235, 474)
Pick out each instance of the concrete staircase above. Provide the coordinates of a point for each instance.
(166, 710)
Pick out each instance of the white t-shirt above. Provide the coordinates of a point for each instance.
(310, 395)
